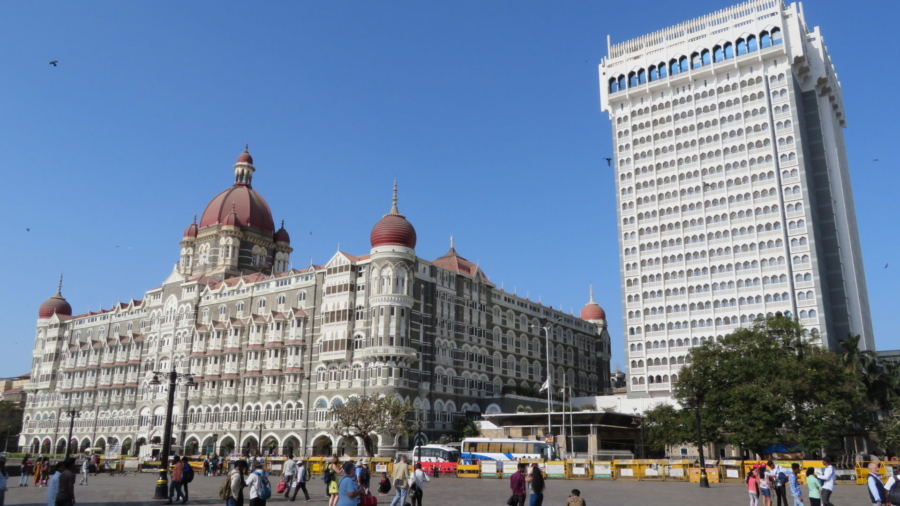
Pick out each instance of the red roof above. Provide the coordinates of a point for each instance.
(55, 305)
(249, 206)
(282, 235)
(393, 230)
(245, 157)
(453, 262)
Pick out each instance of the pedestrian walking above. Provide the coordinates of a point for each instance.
(66, 494)
(53, 484)
(814, 487)
(175, 480)
(85, 470)
(537, 483)
(45, 470)
(206, 464)
(348, 488)
(363, 476)
(334, 473)
(794, 480)
(575, 498)
(877, 492)
(827, 478)
(216, 464)
(517, 485)
(416, 482)
(37, 470)
(257, 483)
(300, 480)
(753, 487)
(765, 490)
(187, 476)
(777, 480)
(27, 467)
(290, 469)
(234, 492)
(401, 482)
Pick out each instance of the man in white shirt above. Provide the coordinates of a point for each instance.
(290, 469)
(827, 476)
(255, 482)
(772, 472)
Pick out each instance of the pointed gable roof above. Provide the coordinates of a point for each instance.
(452, 261)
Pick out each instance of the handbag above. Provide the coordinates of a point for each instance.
(512, 501)
(281, 487)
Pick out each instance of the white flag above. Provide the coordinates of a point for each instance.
(545, 386)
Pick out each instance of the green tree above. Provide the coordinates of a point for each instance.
(772, 383)
(466, 428)
(889, 428)
(368, 415)
(665, 425)
(11, 414)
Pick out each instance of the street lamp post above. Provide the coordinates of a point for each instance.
(162, 483)
(704, 482)
(73, 414)
(547, 328)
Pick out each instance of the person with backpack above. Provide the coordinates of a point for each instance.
(175, 480)
(232, 489)
(300, 480)
(260, 490)
(363, 476)
(777, 479)
(187, 476)
(417, 480)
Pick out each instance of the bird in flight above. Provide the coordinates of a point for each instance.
(28, 230)
(608, 162)
(875, 160)
(885, 265)
(54, 62)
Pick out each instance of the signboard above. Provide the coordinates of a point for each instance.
(510, 467)
(602, 469)
(732, 473)
(677, 472)
(558, 469)
(651, 472)
(626, 471)
(380, 468)
(578, 470)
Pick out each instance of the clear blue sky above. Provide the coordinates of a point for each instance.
(486, 112)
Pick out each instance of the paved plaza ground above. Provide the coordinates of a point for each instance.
(138, 490)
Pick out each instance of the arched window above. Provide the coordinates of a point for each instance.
(776, 36)
(704, 56)
(662, 70)
(741, 47)
(728, 50)
(654, 74)
(696, 62)
(673, 67)
(632, 80)
(718, 55)
(642, 76)
(752, 44)
(621, 83)
(683, 63)
(613, 86)
(765, 40)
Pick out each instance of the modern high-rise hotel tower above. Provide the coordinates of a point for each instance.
(733, 187)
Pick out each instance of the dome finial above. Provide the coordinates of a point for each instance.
(451, 242)
(246, 147)
(394, 210)
(592, 295)
(59, 286)
(195, 219)
(282, 223)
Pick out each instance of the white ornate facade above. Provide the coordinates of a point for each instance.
(734, 197)
(274, 348)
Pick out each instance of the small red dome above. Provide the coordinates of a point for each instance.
(232, 220)
(282, 234)
(393, 230)
(55, 305)
(593, 312)
(245, 156)
(191, 231)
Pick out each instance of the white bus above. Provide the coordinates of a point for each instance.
(431, 453)
(482, 448)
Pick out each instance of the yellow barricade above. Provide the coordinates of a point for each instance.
(712, 475)
(555, 469)
(732, 471)
(508, 468)
(862, 472)
(274, 465)
(651, 470)
(677, 469)
(626, 470)
(579, 469)
(316, 465)
(468, 471)
(603, 469)
(378, 465)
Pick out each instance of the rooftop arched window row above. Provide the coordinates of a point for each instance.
(698, 59)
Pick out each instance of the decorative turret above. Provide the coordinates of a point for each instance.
(243, 169)
(191, 231)
(282, 235)
(55, 304)
(393, 229)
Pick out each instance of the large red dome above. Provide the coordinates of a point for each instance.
(593, 312)
(393, 230)
(249, 206)
(55, 305)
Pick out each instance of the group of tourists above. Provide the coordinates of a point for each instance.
(770, 479)
(182, 474)
(211, 465)
(522, 482)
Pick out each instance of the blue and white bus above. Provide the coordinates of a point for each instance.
(483, 448)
